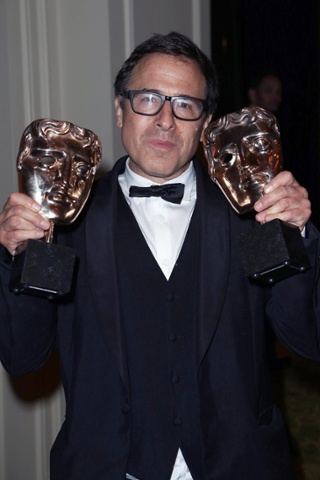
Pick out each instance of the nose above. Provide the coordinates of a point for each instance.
(248, 158)
(64, 170)
(165, 118)
(249, 161)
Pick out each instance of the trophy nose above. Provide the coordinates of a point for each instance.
(64, 171)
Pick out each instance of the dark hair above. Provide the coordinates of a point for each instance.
(177, 45)
(257, 78)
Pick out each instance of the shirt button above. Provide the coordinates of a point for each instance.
(170, 296)
(125, 407)
(161, 218)
(178, 421)
(165, 261)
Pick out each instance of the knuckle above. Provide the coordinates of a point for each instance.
(304, 192)
(286, 177)
(14, 222)
(283, 204)
(12, 200)
(301, 192)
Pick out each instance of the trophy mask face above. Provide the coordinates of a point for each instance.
(243, 152)
(56, 165)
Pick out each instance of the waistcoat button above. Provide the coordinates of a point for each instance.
(172, 337)
(178, 421)
(125, 407)
(175, 379)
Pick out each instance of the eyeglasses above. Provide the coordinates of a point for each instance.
(148, 103)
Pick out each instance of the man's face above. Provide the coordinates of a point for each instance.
(242, 160)
(57, 173)
(268, 94)
(161, 146)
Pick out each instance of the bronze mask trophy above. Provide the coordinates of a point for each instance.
(56, 164)
(243, 151)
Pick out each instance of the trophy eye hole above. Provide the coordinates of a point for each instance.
(226, 158)
(83, 170)
(47, 161)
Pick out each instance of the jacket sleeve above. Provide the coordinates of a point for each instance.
(294, 306)
(27, 325)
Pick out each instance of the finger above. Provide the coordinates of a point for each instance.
(12, 240)
(21, 217)
(295, 217)
(17, 198)
(281, 198)
(285, 199)
(283, 188)
(283, 178)
(20, 221)
(294, 211)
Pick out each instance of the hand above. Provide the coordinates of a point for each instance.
(285, 199)
(19, 221)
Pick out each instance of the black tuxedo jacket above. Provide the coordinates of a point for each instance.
(243, 433)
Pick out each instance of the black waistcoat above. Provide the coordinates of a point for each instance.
(159, 317)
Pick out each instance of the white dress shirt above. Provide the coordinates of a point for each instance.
(164, 226)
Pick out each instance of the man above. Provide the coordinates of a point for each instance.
(265, 91)
(164, 369)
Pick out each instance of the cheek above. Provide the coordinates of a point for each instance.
(129, 140)
(82, 188)
(39, 178)
(79, 186)
(219, 172)
(191, 137)
(29, 163)
(133, 127)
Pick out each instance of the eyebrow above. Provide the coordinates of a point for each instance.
(154, 90)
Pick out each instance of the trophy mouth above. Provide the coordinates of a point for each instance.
(62, 198)
(256, 180)
(260, 178)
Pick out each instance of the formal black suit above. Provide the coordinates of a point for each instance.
(242, 433)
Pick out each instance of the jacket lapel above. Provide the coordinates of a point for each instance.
(214, 259)
(103, 278)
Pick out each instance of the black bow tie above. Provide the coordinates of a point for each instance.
(173, 192)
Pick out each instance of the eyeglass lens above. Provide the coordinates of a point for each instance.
(148, 103)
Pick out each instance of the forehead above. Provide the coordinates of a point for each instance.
(270, 81)
(56, 142)
(39, 149)
(167, 73)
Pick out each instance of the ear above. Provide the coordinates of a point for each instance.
(119, 111)
(252, 95)
(19, 161)
(210, 151)
(204, 126)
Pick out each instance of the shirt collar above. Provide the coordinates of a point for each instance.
(188, 178)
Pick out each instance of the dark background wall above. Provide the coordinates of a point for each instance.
(250, 35)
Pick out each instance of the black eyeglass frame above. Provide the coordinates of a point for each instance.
(129, 94)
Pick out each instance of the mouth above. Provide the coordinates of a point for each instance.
(60, 197)
(159, 144)
(255, 181)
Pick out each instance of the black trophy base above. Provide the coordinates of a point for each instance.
(273, 251)
(43, 269)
